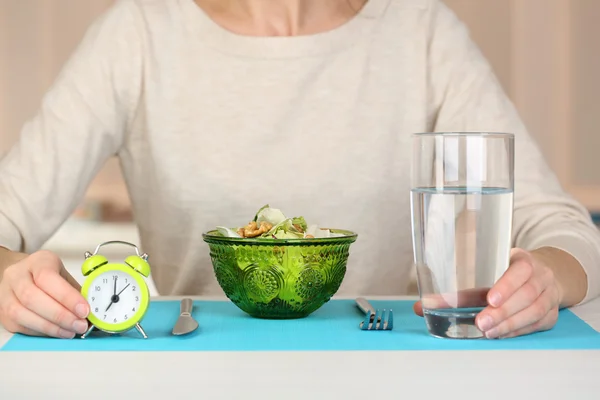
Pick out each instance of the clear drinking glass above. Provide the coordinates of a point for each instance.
(462, 207)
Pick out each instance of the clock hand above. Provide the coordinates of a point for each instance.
(124, 289)
(115, 298)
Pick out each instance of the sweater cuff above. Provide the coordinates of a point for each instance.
(584, 252)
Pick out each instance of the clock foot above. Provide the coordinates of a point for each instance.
(91, 328)
(141, 331)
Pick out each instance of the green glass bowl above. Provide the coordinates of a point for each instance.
(279, 278)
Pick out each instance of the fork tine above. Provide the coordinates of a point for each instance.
(384, 317)
(374, 319)
(364, 325)
(390, 323)
(378, 319)
(370, 320)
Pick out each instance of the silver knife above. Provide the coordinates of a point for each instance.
(185, 323)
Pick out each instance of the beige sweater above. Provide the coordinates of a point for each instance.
(210, 125)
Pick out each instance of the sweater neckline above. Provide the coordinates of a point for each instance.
(336, 39)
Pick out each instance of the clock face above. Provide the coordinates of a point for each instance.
(115, 297)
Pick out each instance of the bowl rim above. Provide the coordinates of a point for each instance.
(348, 237)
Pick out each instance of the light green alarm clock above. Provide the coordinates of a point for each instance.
(117, 293)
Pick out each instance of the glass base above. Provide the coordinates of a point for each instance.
(453, 323)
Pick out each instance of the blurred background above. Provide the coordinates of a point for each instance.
(545, 52)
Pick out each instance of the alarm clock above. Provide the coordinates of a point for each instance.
(117, 293)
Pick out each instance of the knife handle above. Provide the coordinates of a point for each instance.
(364, 305)
(186, 306)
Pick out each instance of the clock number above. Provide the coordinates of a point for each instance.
(126, 281)
(133, 288)
(125, 316)
(104, 316)
(97, 288)
(137, 298)
(115, 320)
(96, 309)
(133, 309)
(104, 280)
(115, 277)
(93, 299)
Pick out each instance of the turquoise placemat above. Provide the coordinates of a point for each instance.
(334, 327)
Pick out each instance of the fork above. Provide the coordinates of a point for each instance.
(375, 320)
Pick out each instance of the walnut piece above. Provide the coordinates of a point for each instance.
(253, 230)
(299, 228)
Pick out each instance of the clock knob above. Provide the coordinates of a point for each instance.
(92, 262)
(139, 264)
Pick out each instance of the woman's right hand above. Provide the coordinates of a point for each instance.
(38, 297)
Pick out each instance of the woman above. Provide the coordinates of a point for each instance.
(216, 107)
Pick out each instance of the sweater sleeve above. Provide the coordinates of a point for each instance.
(466, 96)
(81, 123)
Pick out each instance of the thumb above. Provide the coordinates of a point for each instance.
(518, 253)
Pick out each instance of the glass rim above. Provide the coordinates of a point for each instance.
(504, 135)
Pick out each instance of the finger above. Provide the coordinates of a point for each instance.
(530, 315)
(13, 327)
(476, 297)
(29, 332)
(16, 328)
(544, 324)
(31, 322)
(519, 272)
(34, 299)
(60, 290)
(418, 308)
(525, 296)
(72, 281)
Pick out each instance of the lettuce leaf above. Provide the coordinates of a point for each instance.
(273, 216)
(258, 212)
(301, 222)
(284, 230)
(227, 232)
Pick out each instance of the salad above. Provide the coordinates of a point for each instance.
(271, 223)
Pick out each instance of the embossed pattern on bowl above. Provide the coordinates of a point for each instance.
(279, 278)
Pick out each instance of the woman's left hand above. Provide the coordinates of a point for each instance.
(525, 299)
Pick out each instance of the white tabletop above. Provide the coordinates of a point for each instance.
(300, 375)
